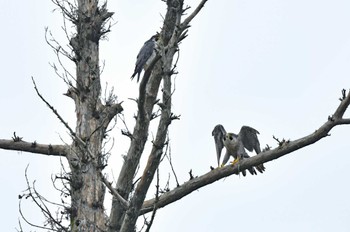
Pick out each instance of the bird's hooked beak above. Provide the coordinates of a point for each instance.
(228, 136)
(156, 36)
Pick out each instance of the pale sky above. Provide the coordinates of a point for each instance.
(278, 66)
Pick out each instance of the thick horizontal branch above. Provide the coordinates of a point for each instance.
(44, 149)
(217, 174)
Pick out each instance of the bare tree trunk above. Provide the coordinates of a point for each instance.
(85, 157)
(87, 189)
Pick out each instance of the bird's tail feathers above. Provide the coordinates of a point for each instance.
(138, 77)
(260, 168)
(134, 74)
(252, 170)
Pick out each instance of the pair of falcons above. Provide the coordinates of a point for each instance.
(235, 144)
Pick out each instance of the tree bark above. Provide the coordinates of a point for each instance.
(34, 147)
(149, 87)
(87, 189)
(84, 155)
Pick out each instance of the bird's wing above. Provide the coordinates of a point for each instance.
(144, 54)
(249, 138)
(146, 51)
(219, 133)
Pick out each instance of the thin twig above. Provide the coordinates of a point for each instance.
(53, 110)
(186, 22)
(155, 204)
(61, 119)
(114, 192)
(172, 167)
(40, 202)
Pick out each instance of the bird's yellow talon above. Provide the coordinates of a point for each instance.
(234, 162)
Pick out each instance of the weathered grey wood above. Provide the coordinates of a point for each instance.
(84, 155)
(219, 173)
(34, 147)
(87, 189)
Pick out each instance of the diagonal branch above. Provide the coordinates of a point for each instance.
(187, 21)
(44, 149)
(73, 134)
(149, 86)
(114, 192)
(53, 109)
(155, 156)
(150, 223)
(217, 174)
(139, 138)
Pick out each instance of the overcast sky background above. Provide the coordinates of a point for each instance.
(278, 66)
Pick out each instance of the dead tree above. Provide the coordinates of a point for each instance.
(87, 184)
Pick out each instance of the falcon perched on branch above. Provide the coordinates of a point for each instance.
(145, 54)
(236, 144)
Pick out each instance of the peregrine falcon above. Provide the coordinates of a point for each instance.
(235, 144)
(145, 54)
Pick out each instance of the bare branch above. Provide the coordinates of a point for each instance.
(263, 157)
(28, 222)
(152, 79)
(114, 192)
(155, 156)
(56, 47)
(150, 223)
(53, 110)
(68, 11)
(343, 121)
(191, 175)
(280, 142)
(187, 21)
(168, 156)
(114, 108)
(34, 147)
(343, 105)
(167, 47)
(40, 202)
(16, 138)
(20, 226)
(125, 131)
